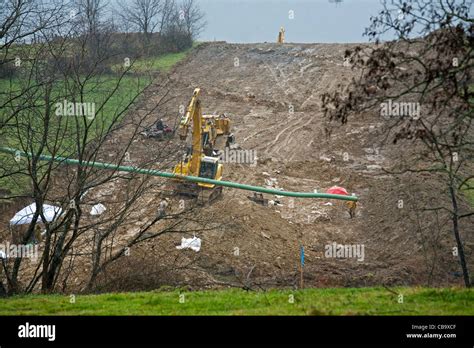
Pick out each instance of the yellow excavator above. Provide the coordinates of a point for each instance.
(200, 161)
(213, 126)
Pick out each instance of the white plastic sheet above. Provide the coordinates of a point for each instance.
(98, 209)
(25, 216)
(190, 243)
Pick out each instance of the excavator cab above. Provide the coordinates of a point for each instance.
(209, 167)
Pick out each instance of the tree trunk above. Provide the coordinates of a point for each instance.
(460, 247)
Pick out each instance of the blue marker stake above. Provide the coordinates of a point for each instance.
(302, 265)
(302, 256)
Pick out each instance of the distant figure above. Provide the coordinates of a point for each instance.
(281, 36)
(160, 125)
(230, 140)
(189, 150)
(37, 237)
(352, 208)
(162, 208)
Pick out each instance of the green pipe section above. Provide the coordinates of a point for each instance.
(154, 172)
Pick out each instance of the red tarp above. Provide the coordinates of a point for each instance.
(337, 190)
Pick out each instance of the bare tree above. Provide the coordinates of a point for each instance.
(192, 17)
(36, 120)
(433, 72)
(167, 11)
(90, 14)
(144, 15)
(20, 21)
(91, 22)
(184, 24)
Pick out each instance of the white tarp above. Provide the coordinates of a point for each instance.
(25, 216)
(98, 209)
(190, 243)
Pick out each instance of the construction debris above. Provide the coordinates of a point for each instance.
(98, 209)
(258, 198)
(190, 243)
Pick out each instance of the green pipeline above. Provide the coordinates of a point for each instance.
(153, 172)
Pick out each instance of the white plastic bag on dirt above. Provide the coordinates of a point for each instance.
(98, 209)
(190, 243)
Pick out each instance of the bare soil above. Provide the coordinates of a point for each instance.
(273, 95)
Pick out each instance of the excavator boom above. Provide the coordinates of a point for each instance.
(194, 114)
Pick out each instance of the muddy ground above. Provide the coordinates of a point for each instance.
(272, 93)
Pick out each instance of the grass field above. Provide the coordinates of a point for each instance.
(162, 63)
(99, 92)
(350, 301)
(469, 193)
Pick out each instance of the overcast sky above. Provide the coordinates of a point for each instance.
(314, 20)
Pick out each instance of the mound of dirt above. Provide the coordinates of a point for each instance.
(272, 94)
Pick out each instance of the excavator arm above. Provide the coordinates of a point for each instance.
(200, 164)
(194, 114)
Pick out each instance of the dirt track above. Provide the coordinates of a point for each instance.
(272, 93)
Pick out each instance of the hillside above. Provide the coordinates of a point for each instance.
(272, 94)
